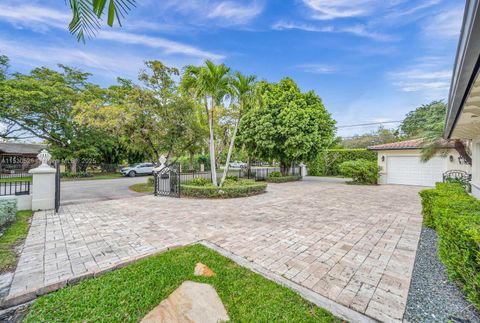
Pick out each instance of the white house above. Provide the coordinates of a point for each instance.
(400, 163)
(463, 116)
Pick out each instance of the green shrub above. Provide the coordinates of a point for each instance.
(429, 196)
(231, 178)
(76, 175)
(456, 217)
(241, 188)
(275, 174)
(361, 171)
(328, 162)
(199, 181)
(459, 250)
(8, 209)
(284, 179)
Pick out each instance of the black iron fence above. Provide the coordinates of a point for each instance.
(15, 188)
(19, 175)
(258, 174)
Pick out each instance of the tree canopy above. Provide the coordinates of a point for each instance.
(287, 125)
(423, 118)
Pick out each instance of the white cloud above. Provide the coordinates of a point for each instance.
(40, 18)
(234, 12)
(34, 17)
(357, 30)
(170, 47)
(317, 68)
(328, 9)
(429, 75)
(445, 25)
(216, 13)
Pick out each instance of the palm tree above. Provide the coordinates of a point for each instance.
(243, 89)
(433, 144)
(86, 15)
(211, 85)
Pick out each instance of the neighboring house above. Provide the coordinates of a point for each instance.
(401, 163)
(463, 116)
(18, 156)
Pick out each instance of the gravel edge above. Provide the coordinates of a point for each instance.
(432, 297)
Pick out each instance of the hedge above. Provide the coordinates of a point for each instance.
(455, 215)
(361, 171)
(328, 162)
(284, 179)
(210, 191)
(8, 209)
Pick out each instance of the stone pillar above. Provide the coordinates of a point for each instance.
(43, 182)
(303, 170)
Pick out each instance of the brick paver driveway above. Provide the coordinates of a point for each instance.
(352, 244)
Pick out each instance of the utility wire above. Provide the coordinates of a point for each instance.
(368, 124)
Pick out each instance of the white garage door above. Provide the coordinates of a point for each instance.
(409, 170)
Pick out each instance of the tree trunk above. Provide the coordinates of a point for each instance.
(211, 145)
(283, 168)
(229, 154)
(460, 148)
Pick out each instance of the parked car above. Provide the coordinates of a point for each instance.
(138, 169)
(237, 164)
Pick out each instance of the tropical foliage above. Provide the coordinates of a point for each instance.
(286, 125)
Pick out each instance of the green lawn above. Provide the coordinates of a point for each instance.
(127, 294)
(141, 188)
(14, 234)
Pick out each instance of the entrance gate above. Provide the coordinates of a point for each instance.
(167, 181)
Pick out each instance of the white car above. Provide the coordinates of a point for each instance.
(138, 169)
(237, 164)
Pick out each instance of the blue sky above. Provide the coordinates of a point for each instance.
(369, 60)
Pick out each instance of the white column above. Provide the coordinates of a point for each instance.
(303, 170)
(43, 182)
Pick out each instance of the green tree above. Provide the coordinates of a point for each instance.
(86, 15)
(380, 136)
(150, 120)
(210, 85)
(416, 121)
(243, 89)
(40, 105)
(427, 122)
(287, 125)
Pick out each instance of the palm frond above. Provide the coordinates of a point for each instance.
(86, 15)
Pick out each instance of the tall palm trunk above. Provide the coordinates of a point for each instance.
(230, 149)
(211, 145)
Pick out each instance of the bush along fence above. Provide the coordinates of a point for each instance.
(455, 216)
(328, 162)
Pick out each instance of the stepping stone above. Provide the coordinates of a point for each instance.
(191, 302)
(203, 270)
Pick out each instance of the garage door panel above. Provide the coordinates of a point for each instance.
(410, 170)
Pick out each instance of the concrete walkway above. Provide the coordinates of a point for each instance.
(354, 245)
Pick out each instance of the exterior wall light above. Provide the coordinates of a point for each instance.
(451, 158)
(383, 158)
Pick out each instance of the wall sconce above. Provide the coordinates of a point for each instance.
(383, 158)
(451, 158)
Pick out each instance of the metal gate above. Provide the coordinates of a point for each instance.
(57, 185)
(167, 181)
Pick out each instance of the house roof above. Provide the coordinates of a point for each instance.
(21, 148)
(409, 144)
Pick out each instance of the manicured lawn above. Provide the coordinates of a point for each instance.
(127, 294)
(16, 232)
(141, 188)
(94, 177)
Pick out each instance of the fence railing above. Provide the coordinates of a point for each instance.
(259, 174)
(15, 188)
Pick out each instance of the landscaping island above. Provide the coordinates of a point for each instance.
(203, 188)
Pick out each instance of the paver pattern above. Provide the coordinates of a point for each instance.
(353, 244)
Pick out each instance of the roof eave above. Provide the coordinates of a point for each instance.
(466, 65)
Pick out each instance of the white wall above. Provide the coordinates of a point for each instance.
(24, 202)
